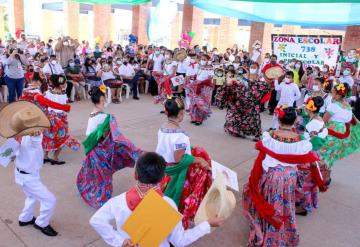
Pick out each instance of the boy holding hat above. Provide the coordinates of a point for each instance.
(150, 169)
(25, 121)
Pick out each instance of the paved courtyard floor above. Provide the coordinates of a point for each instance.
(335, 224)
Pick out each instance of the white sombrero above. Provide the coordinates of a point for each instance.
(218, 202)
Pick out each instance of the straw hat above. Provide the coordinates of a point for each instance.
(22, 118)
(274, 72)
(180, 55)
(218, 201)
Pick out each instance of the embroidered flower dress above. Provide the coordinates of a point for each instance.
(57, 136)
(243, 107)
(306, 190)
(277, 186)
(107, 151)
(198, 180)
(163, 80)
(335, 148)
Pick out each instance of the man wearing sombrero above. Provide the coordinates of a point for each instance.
(24, 121)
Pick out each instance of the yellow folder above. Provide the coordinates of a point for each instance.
(152, 221)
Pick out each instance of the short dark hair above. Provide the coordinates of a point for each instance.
(290, 73)
(289, 116)
(57, 80)
(318, 102)
(150, 168)
(173, 106)
(273, 55)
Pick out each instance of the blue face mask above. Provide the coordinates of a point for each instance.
(346, 72)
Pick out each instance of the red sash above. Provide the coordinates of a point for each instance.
(49, 103)
(264, 209)
(347, 132)
(133, 197)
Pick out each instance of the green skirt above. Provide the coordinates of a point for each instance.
(334, 148)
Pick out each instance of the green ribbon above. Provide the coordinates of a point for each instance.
(132, 2)
(178, 175)
(317, 142)
(93, 139)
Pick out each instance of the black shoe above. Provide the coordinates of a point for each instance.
(193, 122)
(303, 213)
(57, 162)
(47, 230)
(47, 160)
(162, 112)
(136, 98)
(70, 101)
(31, 222)
(198, 123)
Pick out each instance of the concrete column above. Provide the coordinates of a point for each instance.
(19, 14)
(176, 30)
(352, 38)
(227, 33)
(102, 21)
(193, 21)
(262, 32)
(2, 24)
(140, 18)
(72, 18)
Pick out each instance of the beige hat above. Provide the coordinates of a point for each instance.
(218, 202)
(180, 55)
(22, 118)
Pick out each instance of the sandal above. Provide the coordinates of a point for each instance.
(47, 160)
(57, 162)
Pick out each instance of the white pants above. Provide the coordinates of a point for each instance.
(35, 190)
(187, 99)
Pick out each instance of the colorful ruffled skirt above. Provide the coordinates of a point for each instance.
(164, 87)
(277, 186)
(200, 103)
(57, 135)
(307, 193)
(336, 149)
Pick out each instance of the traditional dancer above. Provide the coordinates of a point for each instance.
(57, 136)
(200, 92)
(308, 184)
(150, 169)
(242, 100)
(269, 196)
(107, 151)
(25, 121)
(344, 129)
(190, 176)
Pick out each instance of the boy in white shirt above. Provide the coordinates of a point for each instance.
(289, 93)
(150, 170)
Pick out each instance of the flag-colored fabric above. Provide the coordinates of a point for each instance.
(287, 12)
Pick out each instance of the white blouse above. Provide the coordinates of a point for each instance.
(297, 148)
(169, 67)
(204, 74)
(339, 114)
(317, 126)
(58, 98)
(171, 140)
(94, 122)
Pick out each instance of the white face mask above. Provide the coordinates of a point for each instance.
(297, 66)
(119, 62)
(267, 60)
(324, 70)
(53, 62)
(192, 60)
(287, 80)
(253, 71)
(316, 88)
(167, 56)
(66, 43)
(346, 72)
(315, 73)
(72, 64)
(202, 62)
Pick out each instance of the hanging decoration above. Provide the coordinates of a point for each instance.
(287, 12)
(185, 39)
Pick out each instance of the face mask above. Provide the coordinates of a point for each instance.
(291, 64)
(66, 43)
(297, 66)
(253, 71)
(167, 56)
(202, 62)
(315, 73)
(267, 60)
(324, 70)
(119, 62)
(157, 52)
(192, 60)
(238, 78)
(53, 62)
(287, 80)
(162, 52)
(316, 88)
(346, 72)
(72, 64)
(219, 74)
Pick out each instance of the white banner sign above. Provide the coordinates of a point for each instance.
(315, 51)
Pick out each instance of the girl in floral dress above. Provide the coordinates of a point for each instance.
(344, 129)
(57, 136)
(242, 100)
(188, 169)
(107, 151)
(269, 196)
(308, 184)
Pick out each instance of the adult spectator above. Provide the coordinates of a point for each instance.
(74, 76)
(14, 73)
(127, 72)
(89, 71)
(66, 49)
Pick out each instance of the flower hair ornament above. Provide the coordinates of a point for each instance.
(279, 111)
(341, 89)
(102, 88)
(310, 105)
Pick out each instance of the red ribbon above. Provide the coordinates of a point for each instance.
(192, 65)
(133, 198)
(344, 135)
(49, 103)
(264, 209)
